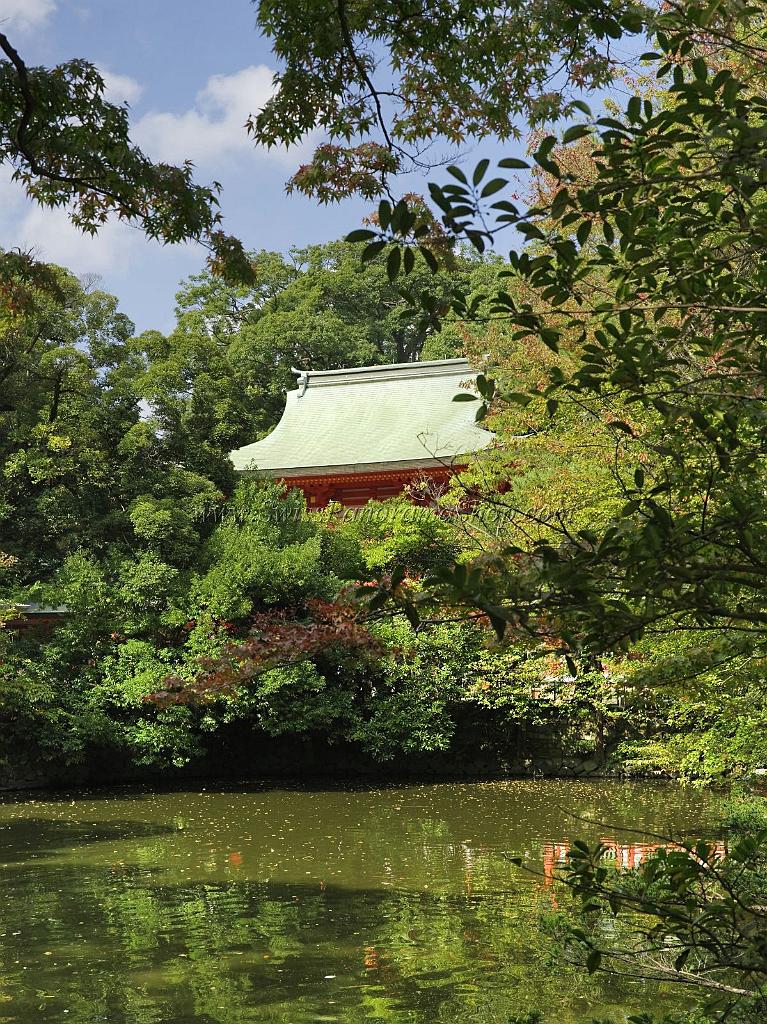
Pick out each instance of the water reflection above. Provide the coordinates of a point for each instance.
(289, 905)
(621, 855)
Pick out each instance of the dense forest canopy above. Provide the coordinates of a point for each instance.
(620, 344)
(596, 578)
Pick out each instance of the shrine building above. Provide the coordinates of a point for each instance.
(368, 432)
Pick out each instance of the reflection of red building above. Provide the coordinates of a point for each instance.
(623, 855)
(369, 432)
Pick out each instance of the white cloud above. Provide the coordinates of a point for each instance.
(118, 252)
(120, 88)
(51, 236)
(25, 14)
(118, 249)
(214, 127)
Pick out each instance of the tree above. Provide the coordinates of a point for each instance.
(95, 510)
(63, 362)
(81, 469)
(384, 81)
(650, 269)
(691, 914)
(70, 147)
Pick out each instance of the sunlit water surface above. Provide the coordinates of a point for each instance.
(291, 905)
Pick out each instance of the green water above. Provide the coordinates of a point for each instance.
(289, 905)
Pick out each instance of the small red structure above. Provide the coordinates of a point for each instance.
(36, 618)
(370, 432)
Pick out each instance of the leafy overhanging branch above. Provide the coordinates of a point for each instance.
(384, 81)
(650, 270)
(71, 148)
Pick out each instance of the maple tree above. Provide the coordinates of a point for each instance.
(70, 147)
(384, 81)
(271, 639)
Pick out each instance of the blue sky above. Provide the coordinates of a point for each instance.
(192, 70)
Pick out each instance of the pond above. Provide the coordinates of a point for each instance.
(290, 905)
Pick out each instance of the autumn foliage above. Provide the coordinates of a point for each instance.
(274, 638)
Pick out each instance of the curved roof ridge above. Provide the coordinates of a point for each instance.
(383, 371)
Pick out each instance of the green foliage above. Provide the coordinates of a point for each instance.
(71, 148)
(709, 709)
(626, 384)
(397, 536)
(413, 693)
(745, 815)
(382, 83)
(114, 514)
(37, 723)
(80, 469)
(691, 914)
(264, 553)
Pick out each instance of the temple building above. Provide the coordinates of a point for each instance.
(369, 432)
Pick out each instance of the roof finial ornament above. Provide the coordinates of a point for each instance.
(303, 380)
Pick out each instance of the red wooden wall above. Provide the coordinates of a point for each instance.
(355, 489)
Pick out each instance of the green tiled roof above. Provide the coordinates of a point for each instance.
(394, 416)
